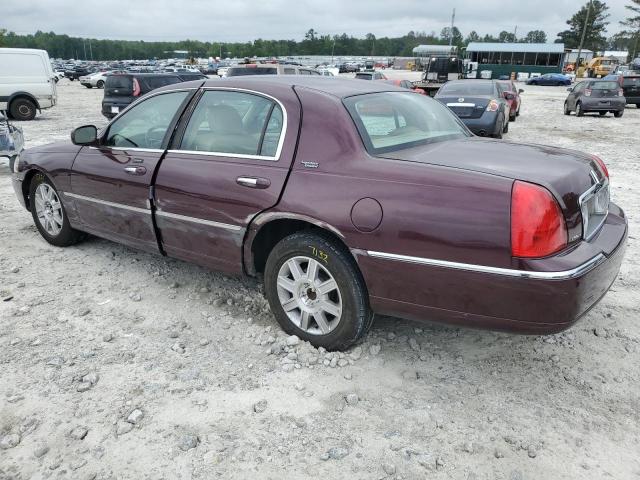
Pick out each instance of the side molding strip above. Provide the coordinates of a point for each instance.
(109, 204)
(563, 275)
(201, 221)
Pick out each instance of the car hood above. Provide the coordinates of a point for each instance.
(565, 173)
(57, 147)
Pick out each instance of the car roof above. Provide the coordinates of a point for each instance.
(336, 86)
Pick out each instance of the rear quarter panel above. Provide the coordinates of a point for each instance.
(427, 210)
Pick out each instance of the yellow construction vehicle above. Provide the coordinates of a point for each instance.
(597, 67)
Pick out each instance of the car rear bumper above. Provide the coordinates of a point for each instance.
(483, 126)
(541, 296)
(596, 104)
(107, 109)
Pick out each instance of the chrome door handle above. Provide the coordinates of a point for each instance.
(135, 170)
(253, 182)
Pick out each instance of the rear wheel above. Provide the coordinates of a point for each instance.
(618, 114)
(506, 128)
(316, 291)
(100, 84)
(22, 109)
(602, 114)
(579, 110)
(49, 213)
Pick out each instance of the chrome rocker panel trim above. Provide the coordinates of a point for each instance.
(563, 275)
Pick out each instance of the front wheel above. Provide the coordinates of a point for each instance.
(100, 84)
(22, 109)
(316, 291)
(567, 111)
(49, 214)
(618, 114)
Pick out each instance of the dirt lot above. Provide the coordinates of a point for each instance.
(116, 364)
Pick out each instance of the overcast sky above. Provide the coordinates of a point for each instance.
(243, 20)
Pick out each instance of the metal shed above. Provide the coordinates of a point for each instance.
(516, 58)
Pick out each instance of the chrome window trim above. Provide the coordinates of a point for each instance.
(283, 131)
(105, 202)
(525, 274)
(201, 221)
(133, 149)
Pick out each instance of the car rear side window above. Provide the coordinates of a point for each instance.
(234, 123)
(157, 82)
(392, 121)
(145, 124)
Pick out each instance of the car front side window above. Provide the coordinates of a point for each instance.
(234, 123)
(145, 125)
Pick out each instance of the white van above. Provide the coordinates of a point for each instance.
(27, 82)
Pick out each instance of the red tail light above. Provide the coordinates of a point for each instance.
(587, 92)
(621, 93)
(603, 167)
(538, 228)
(136, 87)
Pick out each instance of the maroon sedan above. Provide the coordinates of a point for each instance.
(351, 198)
(511, 94)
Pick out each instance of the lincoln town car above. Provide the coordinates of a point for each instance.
(348, 198)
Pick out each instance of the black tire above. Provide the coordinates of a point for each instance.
(23, 109)
(67, 235)
(579, 110)
(89, 86)
(618, 114)
(602, 114)
(100, 84)
(567, 111)
(512, 118)
(498, 134)
(637, 105)
(356, 316)
(505, 129)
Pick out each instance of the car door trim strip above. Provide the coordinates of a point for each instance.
(211, 223)
(105, 202)
(562, 275)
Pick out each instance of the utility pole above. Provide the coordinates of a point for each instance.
(515, 34)
(584, 32)
(84, 47)
(333, 47)
(453, 19)
(90, 51)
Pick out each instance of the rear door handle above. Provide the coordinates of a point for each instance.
(253, 182)
(140, 170)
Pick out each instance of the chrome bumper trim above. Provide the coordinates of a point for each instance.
(109, 204)
(563, 275)
(201, 221)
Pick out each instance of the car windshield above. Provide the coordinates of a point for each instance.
(472, 87)
(364, 76)
(391, 121)
(604, 85)
(240, 71)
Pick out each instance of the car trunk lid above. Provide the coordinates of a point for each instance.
(567, 174)
(466, 106)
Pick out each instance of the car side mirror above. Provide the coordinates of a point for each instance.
(85, 135)
(569, 89)
(521, 90)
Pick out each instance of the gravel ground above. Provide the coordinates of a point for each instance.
(117, 364)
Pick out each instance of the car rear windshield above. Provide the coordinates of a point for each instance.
(470, 88)
(119, 81)
(364, 76)
(392, 121)
(240, 71)
(605, 86)
(156, 82)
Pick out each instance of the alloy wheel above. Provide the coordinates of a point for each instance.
(49, 209)
(309, 295)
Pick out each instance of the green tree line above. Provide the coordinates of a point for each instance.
(594, 13)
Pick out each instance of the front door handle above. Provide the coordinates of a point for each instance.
(140, 170)
(253, 182)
